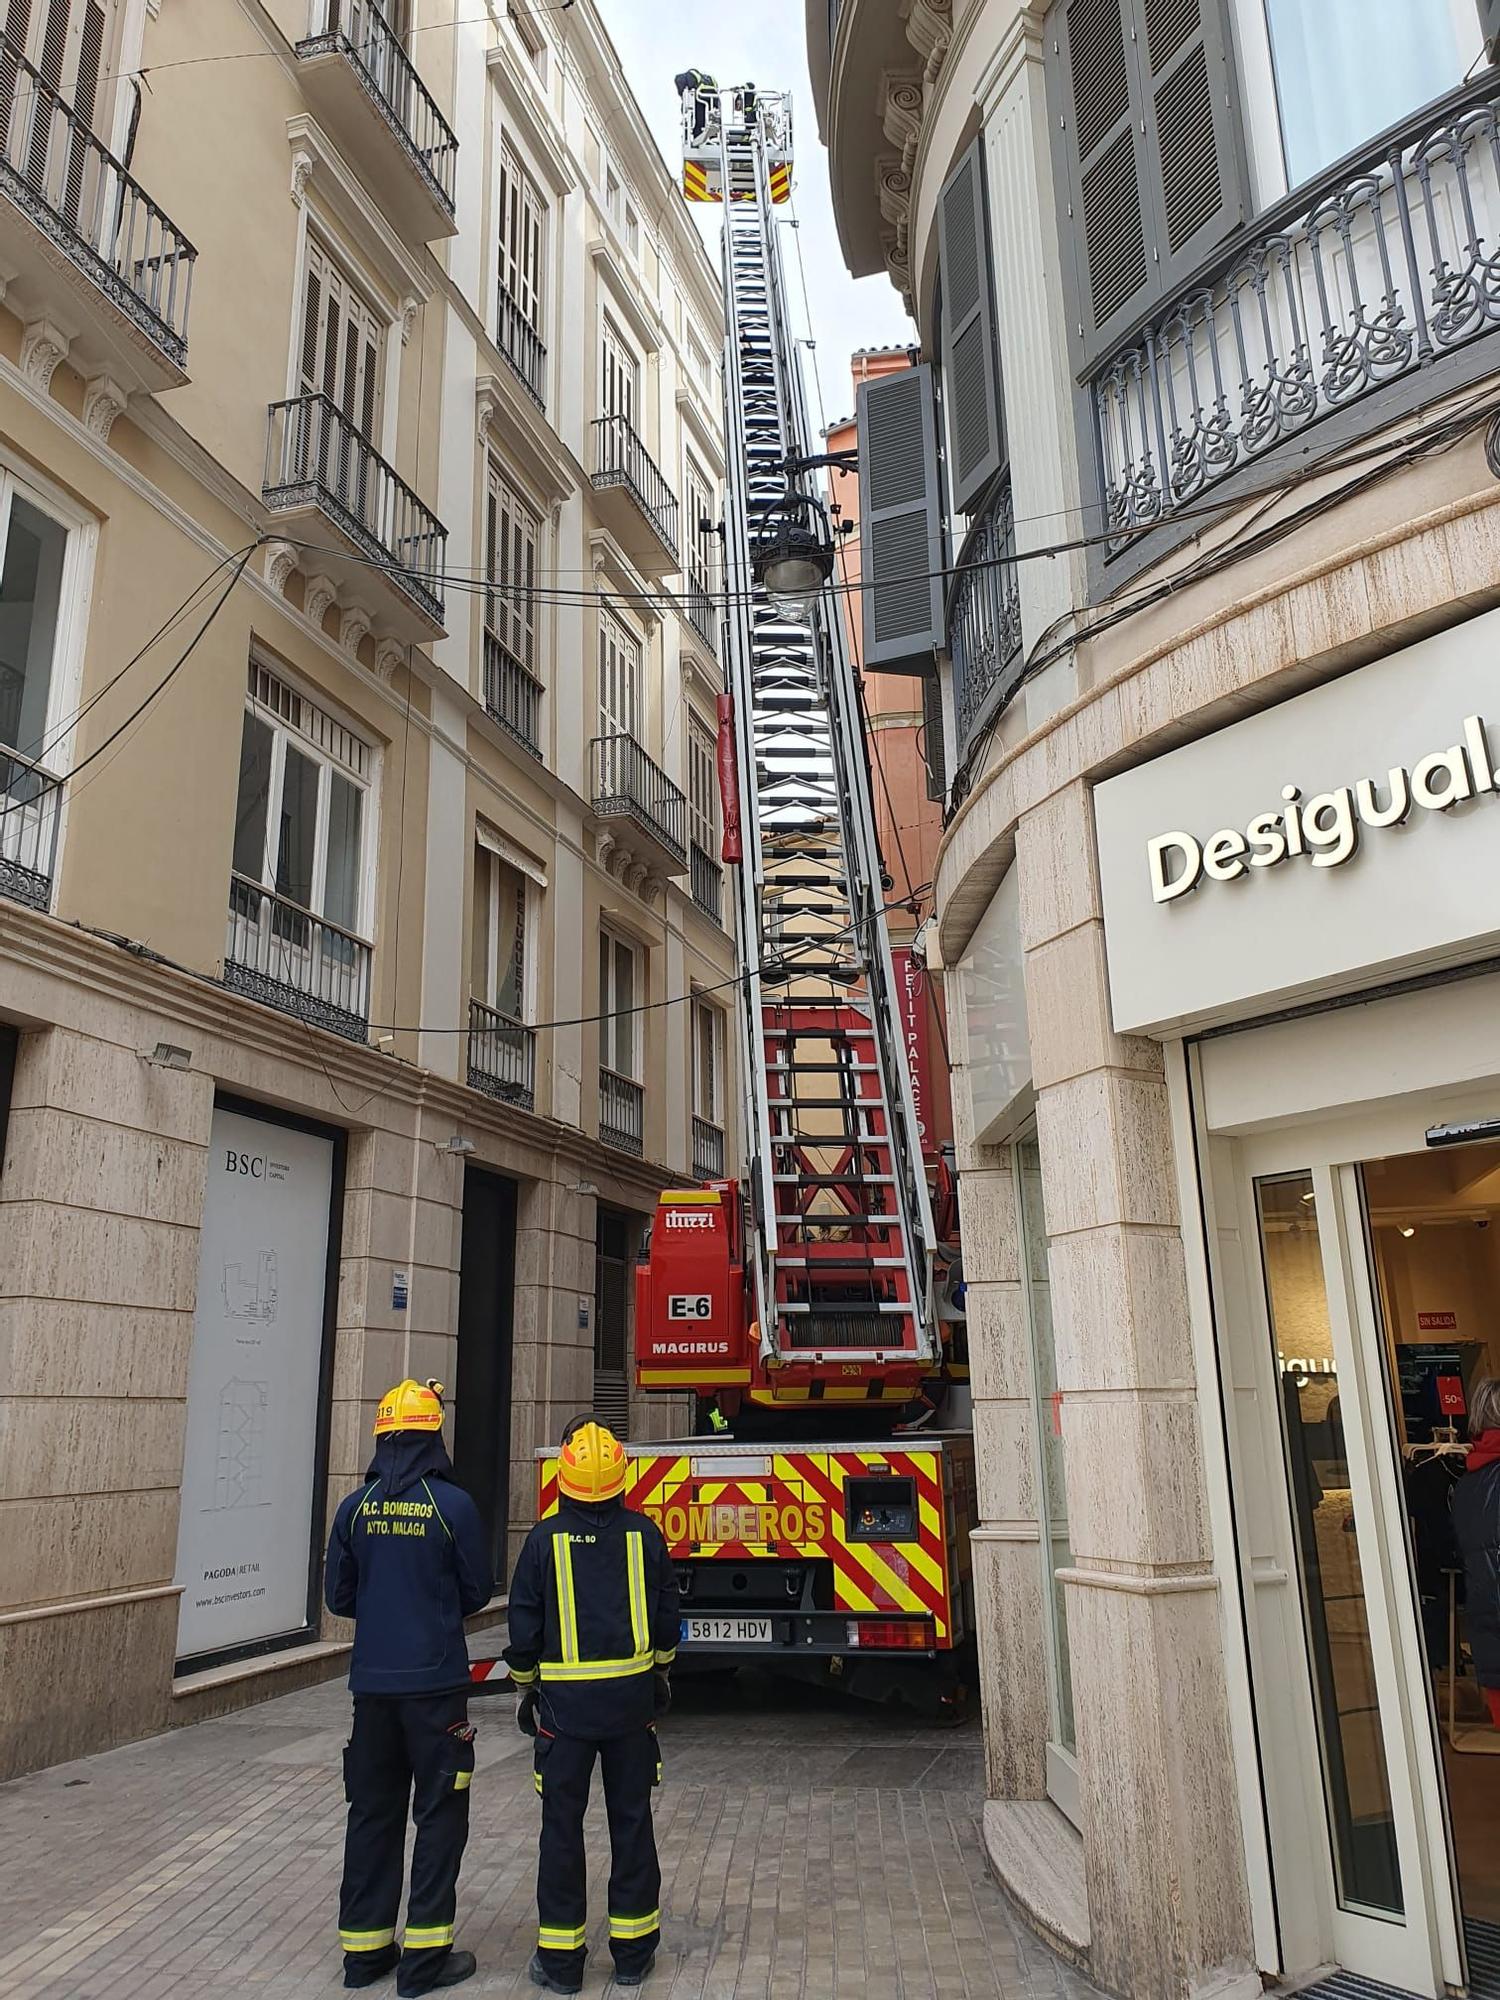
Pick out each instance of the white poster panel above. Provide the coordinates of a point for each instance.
(244, 1534)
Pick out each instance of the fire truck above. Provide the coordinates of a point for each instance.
(821, 1527)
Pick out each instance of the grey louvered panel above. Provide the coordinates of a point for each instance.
(971, 376)
(900, 523)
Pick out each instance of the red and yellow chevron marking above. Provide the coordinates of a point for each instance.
(799, 1510)
(695, 181)
(781, 183)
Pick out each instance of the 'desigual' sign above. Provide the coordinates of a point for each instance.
(1347, 833)
(1325, 829)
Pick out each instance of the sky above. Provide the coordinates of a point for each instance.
(764, 43)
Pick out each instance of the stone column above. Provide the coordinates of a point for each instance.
(1163, 1855)
(1007, 1544)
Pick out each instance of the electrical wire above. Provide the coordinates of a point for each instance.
(56, 784)
(532, 12)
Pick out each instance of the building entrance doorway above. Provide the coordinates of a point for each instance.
(1356, 1270)
(486, 1325)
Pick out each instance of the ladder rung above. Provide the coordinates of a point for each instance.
(834, 1180)
(889, 1306)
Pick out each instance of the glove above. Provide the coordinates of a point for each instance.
(526, 1712)
(662, 1693)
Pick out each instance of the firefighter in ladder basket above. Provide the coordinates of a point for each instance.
(594, 1618)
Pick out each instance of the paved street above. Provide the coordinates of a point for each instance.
(808, 1849)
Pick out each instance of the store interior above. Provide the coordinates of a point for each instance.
(1435, 1224)
(1434, 1221)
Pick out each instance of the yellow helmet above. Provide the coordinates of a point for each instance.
(410, 1406)
(591, 1464)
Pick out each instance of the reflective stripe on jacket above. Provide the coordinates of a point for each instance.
(594, 1608)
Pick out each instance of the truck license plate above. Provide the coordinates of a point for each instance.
(727, 1631)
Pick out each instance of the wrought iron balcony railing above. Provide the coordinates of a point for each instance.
(523, 348)
(706, 878)
(1382, 266)
(78, 195)
(622, 1111)
(29, 801)
(628, 784)
(315, 457)
(708, 1150)
(512, 695)
(984, 615)
(620, 459)
(359, 30)
(281, 954)
(702, 609)
(502, 1056)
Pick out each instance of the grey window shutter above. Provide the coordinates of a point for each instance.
(933, 753)
(900, 524)
(1152, 152)
(1489, 27)
(971, 376)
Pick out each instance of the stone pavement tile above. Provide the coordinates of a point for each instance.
(810, 1851)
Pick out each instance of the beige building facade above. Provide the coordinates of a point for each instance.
(365, 963)
(1200, 289)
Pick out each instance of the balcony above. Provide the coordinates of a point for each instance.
(522, 347)
(81, 242)
(638, 807)
(637, 505)
(1385, 266)
(512, 695)
(622, 1112)
(285, 957)
(502, 1056)
(984, 617)
(29, 801)
(360, 82)
(702, 610)
(708, 1150)
(706, 879)
(390, 550)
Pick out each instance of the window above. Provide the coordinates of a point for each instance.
(502, 910)
(620, 380)
(512, 535)
(343, 343)
(299, 825)
(619, 996)
(619, 678)
(698, 362)
(72, 45)
(703, 787)
(699, 505)
(531, 38)
(31, 596)
(632, 232)
(614, 195)
(522, 215)
(708, 1063)
(1346, 69)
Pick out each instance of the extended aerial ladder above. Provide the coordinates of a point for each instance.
(810, 1283)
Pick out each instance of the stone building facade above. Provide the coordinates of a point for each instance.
(364, 962)
(1200, 288)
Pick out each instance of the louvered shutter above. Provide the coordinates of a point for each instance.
(900, 527)
(971, 376)
(1489, 26)
(1152, 150)
(934, 755)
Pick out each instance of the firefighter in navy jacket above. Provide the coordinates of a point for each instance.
(594, 1618)
(407, 1562)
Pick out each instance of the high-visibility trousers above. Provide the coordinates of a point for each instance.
(404, 1747)
(564, 1766)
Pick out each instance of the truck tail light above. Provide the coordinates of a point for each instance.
(893, 1634)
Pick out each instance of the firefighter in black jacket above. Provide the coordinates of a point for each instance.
(407, 1562)
(594, 1619)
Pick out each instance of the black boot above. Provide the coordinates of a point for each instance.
(636, 1978)
(454, 1970)
(365, 1967)
(548, 1981)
